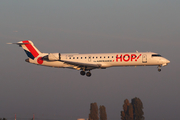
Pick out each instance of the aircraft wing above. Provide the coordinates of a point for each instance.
(79, 65)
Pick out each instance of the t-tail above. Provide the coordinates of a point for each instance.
(29, 48)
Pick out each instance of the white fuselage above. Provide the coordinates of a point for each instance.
(106, 59)
(87, 62)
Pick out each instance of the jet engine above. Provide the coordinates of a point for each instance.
(52, 57)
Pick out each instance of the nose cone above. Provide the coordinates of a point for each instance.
(167, 61)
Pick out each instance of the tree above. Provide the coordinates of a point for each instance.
(102, 112)
(127, 114)
(93, 112)
(123, 115)
(130, 112)
(133, 110)
(137, 109)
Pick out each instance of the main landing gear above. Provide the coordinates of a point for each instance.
(88, 74)
(159, 68)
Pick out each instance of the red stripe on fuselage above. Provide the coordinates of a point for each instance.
(31, 49)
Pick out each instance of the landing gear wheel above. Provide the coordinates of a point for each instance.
(88, 74)
(159, 68)
(82, 73)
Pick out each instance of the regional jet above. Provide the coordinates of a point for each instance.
(87, 62)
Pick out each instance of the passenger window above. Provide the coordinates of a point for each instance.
(70, 58)
(104, 57)
(85, 57)
(81, 57)
(77, 57)
(96, 57)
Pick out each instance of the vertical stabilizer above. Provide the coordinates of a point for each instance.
(31, 51)
(28, 46)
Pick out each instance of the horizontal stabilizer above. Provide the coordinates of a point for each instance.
(19, 43)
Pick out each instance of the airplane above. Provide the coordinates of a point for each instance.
(87, 62)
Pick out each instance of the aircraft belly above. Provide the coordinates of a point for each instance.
(53, 64)
(138, 63)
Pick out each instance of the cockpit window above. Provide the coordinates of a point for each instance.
(156, 55)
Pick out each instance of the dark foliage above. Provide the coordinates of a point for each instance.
(93, 112)
(137, 109)
(127, 114)
(133, 110)
(102, 112)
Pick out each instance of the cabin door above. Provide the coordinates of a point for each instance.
(144, 58)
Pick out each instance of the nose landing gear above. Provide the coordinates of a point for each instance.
(159, 68)
(88, 74)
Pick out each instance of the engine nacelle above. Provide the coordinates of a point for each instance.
(53, 57)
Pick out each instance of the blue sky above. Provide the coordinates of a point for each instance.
(89, 27)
